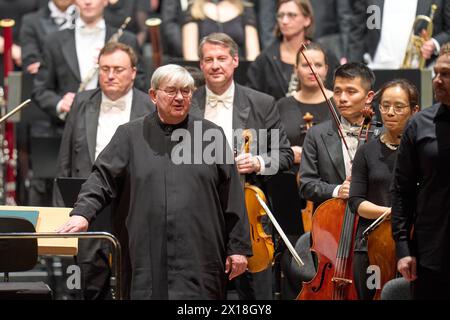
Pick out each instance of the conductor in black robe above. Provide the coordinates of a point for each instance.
(187, 224)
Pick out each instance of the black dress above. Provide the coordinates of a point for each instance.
(235, 27)
(372, 173)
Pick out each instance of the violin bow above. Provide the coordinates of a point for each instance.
(281, 232)
(331, 108)
(376, 223)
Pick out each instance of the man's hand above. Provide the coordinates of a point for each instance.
(16, 53)
(246, 163)
(235, 265)
(407, 266)
(344, 190)
(33, 68)
(297, 154)
(67, 101)
(428, 47)
(74, 224)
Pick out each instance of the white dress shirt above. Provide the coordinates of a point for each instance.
(351, 138)
(219, 109)
(63, 19)
(398, 20)
(112, 115)
(89, 41)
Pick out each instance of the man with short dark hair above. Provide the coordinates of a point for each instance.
(325, 168)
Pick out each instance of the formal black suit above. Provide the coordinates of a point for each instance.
(322, 167)
(253, 110)
(172, 18)
(60, 73)
(76, 158)
(363, 39)
(36, 26)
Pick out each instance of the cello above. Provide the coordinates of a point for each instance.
(381, 249)
(333, 233)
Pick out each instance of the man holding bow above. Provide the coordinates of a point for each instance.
(234, 107)
(92, 121)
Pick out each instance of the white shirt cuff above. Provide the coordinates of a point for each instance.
(336, 191)
(61, 115)
(438, 46)
(262, 165)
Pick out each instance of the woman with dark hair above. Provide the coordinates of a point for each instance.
(272, 71)
(372, 171)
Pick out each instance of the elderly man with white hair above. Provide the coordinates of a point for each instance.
(186, 221)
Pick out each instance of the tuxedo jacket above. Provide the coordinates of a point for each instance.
(36, 27)
(60, 73)
(77, 152)
(253, 110)
(362, 39)
(322, 166)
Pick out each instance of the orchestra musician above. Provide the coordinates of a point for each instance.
(325, 167)
(234, 107)
(187, 225)
(372, 171)
(421, 192)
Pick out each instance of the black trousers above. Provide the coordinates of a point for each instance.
(360, 275)
(431, 285)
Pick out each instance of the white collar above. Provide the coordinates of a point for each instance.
(79, 24)
(227, 94)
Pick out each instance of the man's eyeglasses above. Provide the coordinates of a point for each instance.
(398, 108)
(289, 15)
(172, 92)
(115, 70)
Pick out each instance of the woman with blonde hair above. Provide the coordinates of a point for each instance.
(236, 18)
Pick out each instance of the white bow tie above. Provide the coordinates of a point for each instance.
(213, 100)
(89, 31)
(119, 104)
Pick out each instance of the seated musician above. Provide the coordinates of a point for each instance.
(372, 171)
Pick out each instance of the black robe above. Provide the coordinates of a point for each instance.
(183, 219)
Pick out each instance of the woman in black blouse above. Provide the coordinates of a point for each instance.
(236, 18)
(373, 169)
(308, 98)
(272, 70)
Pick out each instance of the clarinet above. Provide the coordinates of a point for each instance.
(93, 72)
